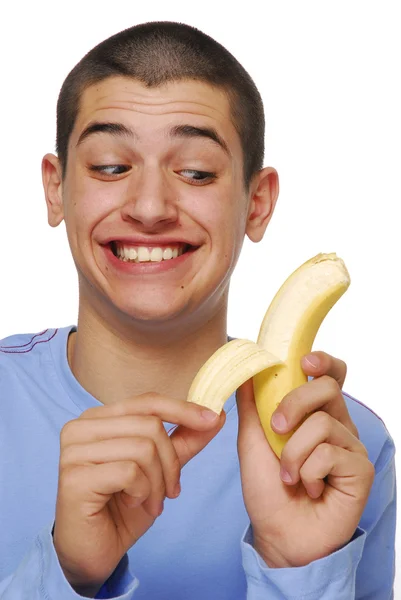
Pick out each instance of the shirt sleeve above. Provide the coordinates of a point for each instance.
(40, 577)
(349, 573)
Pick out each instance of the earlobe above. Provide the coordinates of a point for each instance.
(264, 194)
(52, 185)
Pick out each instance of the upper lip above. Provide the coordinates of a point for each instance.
(153, 241)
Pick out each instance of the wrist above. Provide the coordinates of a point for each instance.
(85, 588)
(270, 554)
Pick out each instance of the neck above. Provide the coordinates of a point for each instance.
(115, 363)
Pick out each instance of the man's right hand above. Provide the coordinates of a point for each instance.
(117, 465)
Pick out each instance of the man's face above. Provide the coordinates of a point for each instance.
(154, 200)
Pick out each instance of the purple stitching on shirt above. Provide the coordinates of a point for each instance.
(29, 343)
(29, 349)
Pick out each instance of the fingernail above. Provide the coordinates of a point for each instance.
(312, 361)
(285, 476)
(161, 508)
(177, 490)
(209, 415)
(279, 421)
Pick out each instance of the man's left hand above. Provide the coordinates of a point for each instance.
(308, 504)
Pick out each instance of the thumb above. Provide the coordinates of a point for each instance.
(188, 442)
(249, 426)
(254, 450)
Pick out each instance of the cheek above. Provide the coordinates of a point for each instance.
(87, 202)
(223, 218)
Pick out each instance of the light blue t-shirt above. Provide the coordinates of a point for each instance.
(201, 546)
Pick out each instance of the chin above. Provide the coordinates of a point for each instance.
(148, 314)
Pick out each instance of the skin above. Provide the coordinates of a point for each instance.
(117, 464)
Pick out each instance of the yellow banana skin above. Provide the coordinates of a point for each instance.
(325, 279)
(287, 333)
(228, 368)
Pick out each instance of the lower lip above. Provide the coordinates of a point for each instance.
(144, 268)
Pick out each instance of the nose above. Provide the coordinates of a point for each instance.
(151, 200)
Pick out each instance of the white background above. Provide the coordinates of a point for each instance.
(329, 74)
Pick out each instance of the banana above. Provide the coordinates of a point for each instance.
(287, 333)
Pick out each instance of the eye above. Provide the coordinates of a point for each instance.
(109, 170)
(198, 176)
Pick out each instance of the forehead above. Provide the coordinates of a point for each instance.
(185, 101)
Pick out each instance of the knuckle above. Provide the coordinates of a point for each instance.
(364, 451)
(121, 408)
(324, 452)
(70, 479)
(140, 447)
(89, 412)
(156, 427)
(66, 457)
(149, 448)
(130, 471)
(148, 396)
(332, 386)
(322, 421)
(67, 432)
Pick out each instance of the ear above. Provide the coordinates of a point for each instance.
(264, 189)
(52, 184)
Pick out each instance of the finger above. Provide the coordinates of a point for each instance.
(250, 430)
(167, 409)
(136, 493)
(83, 431)
(188, 443)
(322, 393)
(320, 363)
(95, 484)
(248, 417)
(141, 451)
(319, 428)
(348, 472)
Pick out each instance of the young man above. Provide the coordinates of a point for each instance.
(158, 179)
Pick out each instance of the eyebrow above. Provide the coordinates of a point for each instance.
(189, 131)
(114, 129)
(179, 131)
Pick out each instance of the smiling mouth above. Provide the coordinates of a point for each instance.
(144, 254)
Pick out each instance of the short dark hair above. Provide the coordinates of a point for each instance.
(159, 52)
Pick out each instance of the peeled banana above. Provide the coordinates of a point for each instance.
(287, 333)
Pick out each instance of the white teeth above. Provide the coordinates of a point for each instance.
(167, 254)
(156, 255)
(143, 254)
